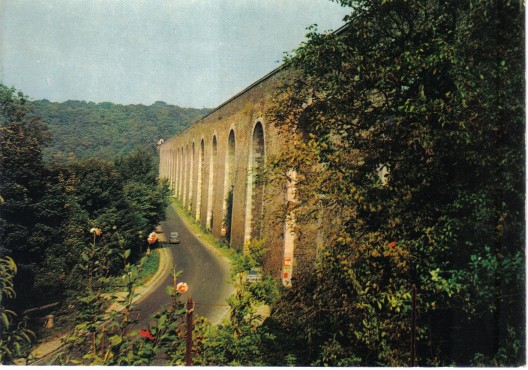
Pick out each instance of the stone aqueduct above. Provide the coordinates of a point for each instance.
(212, 165)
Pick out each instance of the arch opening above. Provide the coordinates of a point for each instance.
(201, 169)
(255, 189)
(229, 187)
(210, 194)
(191, 178)
(170, 177)
(182, 171)
(173, 166)
(185, 176)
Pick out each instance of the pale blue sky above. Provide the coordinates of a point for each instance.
(193, 53)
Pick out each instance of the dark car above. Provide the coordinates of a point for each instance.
(174, 238)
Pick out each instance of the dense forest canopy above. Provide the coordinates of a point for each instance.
(82, 129)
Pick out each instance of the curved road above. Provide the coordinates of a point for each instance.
(204, 269)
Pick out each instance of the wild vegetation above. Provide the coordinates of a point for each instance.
(81, 130)
(111, 337)
(407, 131)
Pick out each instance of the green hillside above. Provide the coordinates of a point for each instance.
(82, 129)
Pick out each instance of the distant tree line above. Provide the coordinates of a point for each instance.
(81, 130)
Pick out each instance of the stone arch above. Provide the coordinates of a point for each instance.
(173, 165)
(229, 185)
(199, 182)
(170, 169)
(177, 182)
(178, 172)
(255, 191)
(182, 169)
(212, 174)
(185, 174)
(191, 177)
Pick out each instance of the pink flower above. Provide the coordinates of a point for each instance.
(182, 288)
(146, 334)
(152, 237)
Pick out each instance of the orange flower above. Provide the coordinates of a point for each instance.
(152, 237)
(182, 288)
(392, 244)
(96, 231)
(146, 334)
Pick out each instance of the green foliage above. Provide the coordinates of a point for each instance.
(240, 340)
(22, 138)
(146, 197)
(46, 206)
(512, 348)
(223, 345)
(95, 192)
(407, 131)
(150, 267)
(15, 338)
(139, 166)
(104, 336)
(23, 225)
(84, 129)
(485, 270)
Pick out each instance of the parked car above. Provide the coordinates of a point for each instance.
(174, 238)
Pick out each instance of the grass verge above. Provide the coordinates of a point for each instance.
(150, 267)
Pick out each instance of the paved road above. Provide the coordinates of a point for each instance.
(205, 270)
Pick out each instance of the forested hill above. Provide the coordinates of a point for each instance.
(105, 130)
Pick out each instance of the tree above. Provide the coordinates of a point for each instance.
(146, 196)
(406, 130)
(23, 230)
(138, 166)
(14, 337)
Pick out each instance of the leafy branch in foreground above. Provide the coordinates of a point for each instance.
(108, 335)
(15, 338)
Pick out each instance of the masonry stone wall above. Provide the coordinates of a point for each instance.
(191, 173)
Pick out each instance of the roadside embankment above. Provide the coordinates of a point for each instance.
(51, 345)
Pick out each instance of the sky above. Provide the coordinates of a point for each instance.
(191, 53)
